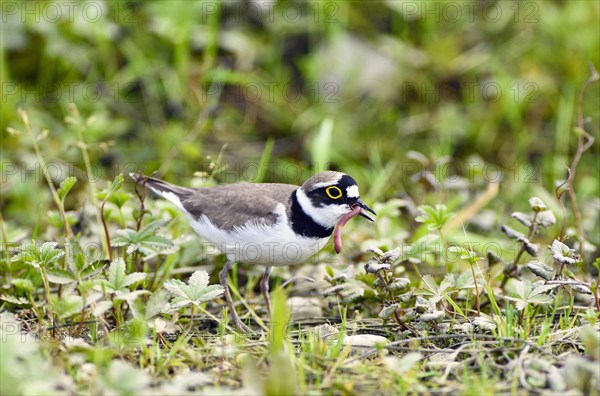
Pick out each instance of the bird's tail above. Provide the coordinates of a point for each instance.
(168, 191)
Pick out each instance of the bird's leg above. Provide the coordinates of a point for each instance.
(264, 288)
(234, 316)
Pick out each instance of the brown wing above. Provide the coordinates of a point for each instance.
(231, 205)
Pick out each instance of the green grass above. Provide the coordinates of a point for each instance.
(399, 98)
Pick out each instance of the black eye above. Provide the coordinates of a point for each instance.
(333, 192)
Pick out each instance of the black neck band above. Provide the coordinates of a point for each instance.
(303, 224)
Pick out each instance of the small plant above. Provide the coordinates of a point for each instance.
(118, 287)
(41, 257)
(387, 285)
(105, 196)
(344, 286)
(35, 139)
(194, 293)
(526, 293)
(542, 217)
(144, 241)
(563, 255)
(472, 258)
(435, 218)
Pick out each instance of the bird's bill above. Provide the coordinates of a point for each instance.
(364, 209)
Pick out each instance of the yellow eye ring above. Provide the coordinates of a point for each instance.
(337, 193)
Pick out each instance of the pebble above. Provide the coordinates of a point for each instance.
(305, 307)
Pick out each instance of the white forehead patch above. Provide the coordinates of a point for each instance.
(324, 184)
(352, 191)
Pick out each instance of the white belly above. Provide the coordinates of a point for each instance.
(275, 245)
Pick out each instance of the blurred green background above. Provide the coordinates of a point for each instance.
(413, 98)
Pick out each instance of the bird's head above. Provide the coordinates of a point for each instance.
(332, 198)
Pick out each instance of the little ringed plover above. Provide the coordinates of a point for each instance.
(270, 224)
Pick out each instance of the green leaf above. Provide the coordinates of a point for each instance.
(465, 254)
(431, 284)
(44, 255)
(67, 306)
(23, 284)
(116, 274)
(465, 281)
(522, 218)
(263, 165)
(434, 217)
(541, 269)
(195, 292)
(156, 304)
(546, 218)
(537, 205)
(147, 230)
(591, 342)
(129, 336)
(111, 188)
(398, 284)
(133, 278)
(119, 198)
(144, 240)
(526, 293)
(176, 288)
(158, 241)
(279, 318)
(512, 233)
(14, 300)
(117, 280)
(329, 270)
(129, 296)
(66, 186)
(60, 276)
(563, 254)
(321, 146)
(102, 307)
(436, 292)
(597, 263)
(387, 311)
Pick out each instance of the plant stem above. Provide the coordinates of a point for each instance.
(46, 284)
(118, 314)
(79, 127)
(444, 249)
(476, 290)
(191, 319)
(530, 322)
(3, 229)
(522, 316)
(582, 146)
(106, 233)
(562, 266)
(38, 153)
(35, 311)
(46, 291)
(596, 297)
(509, 270)
(141, 194)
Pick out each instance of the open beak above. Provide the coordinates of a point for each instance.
(364, 210)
